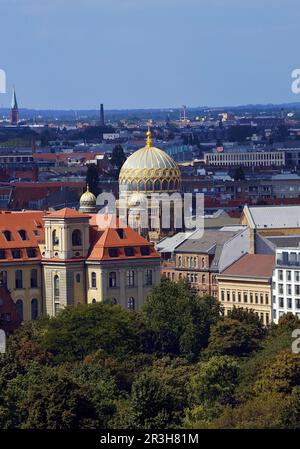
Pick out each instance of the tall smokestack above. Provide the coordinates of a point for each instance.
(102, 123)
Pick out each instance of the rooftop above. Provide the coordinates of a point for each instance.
(252, 265)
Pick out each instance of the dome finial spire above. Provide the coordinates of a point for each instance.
(149, 141)
(87, 187)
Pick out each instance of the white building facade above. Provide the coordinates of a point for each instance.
(286, 283)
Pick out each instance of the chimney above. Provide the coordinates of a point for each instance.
(102, 122)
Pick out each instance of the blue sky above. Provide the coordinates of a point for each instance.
(72, 54)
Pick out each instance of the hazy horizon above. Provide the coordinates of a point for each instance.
(148, 54)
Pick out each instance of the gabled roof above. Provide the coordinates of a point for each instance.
(252, 266)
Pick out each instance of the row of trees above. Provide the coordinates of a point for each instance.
(176, 363)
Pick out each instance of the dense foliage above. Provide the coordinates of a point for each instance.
(176, 363)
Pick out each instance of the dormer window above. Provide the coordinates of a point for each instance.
(16, 253)
(129, 252)
(120, 233)
(8, 235)
(23, 234)
(145, 250)
(113, 252)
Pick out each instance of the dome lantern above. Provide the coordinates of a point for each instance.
(88, 202)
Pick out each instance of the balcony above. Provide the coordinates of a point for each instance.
(287, 263)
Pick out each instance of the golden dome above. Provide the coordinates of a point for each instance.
(150, 169)
(87, 200)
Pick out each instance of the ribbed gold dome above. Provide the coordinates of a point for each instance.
(150, 170)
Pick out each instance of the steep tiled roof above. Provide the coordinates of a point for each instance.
(103, 237)
(31, 222)
(252, 265)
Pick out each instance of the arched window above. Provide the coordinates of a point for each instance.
(141, 185)
(188, 262)
(55, 239)
(131, 303)
(23, 234)
(112, 279)
(157, 185)
(76, 238)
(33, 278)
(34, 309)
(148, 277)
(164, 185)
(179, 261)
(19, 307)
(130, 278)
(94, 301)
(19, 279)
(203, 262)
(56, 286)
(94, 280)
(149, 186)
(203, 278)
(7, 235)
(133, 186)
(78, 278)
(195, 262)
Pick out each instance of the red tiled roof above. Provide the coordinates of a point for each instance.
(252, 265)
(66, 213)
(104, 236)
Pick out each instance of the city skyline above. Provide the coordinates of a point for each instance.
(130, 55)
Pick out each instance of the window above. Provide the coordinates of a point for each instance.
(261, 298)
(19, 307)
(93, 280)
(280, 289)
(2, 253)
(56, 286)
(233, 296)
(130, 278)
(251, 298)
(203, 278)
(267, 299)
(120, 233)
(23, 234)
(19, 279)
(129, 252)
(239, 297)
(228, 295)
(31, 253)
(113, 252)
(267, 318)
(280, 275)
(33, 278)
(8, 235)
(148, 277)
(55, 239)
(188, 262)
(245, 297)
(34, 309)
(297, 277)
(131, 303)
(112, 279)
(203, 262)
(289, 303)
(195, 262)
(179, 262)
(222, 295)
(16, 253)
(145, 250)
(297, 303)
(288, 276)
(94, 301)
(78, 278)
(3, 278)
(56, 308)
(281, 302)
(76, 238)
(288, 289)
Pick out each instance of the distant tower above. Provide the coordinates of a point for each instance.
(102, 122)
(14, 110)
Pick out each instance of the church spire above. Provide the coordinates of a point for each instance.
(14, 103)
(14, 109)
(149, 141)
